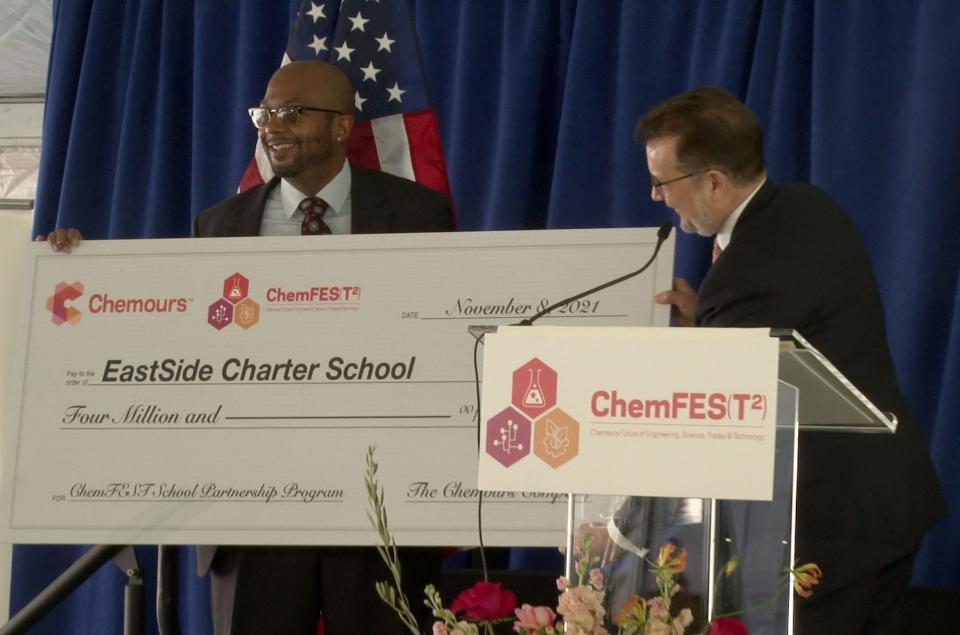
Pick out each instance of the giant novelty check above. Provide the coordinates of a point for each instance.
(227, 390)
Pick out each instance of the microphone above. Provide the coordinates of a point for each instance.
(662, 233)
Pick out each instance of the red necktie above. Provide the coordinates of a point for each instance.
(717, 250)
(313, 209)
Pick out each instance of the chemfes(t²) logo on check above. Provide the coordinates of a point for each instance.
(57, 303)
(235, 305)
(533, 421)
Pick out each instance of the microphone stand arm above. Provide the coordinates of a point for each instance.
(662, 234)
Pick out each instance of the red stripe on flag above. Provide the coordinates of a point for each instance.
(362, 149)
(426, 151)
(251, 176)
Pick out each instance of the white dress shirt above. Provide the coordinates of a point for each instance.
(726, 230)
(282, 217)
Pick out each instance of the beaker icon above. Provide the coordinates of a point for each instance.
(235, 292)
(533, 397)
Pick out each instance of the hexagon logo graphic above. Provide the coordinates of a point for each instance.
(220, 314)
(57, 303)
(246, 313)
(556, 438)
(235, 305)
(534, 388)
(235, 288)
(508, 437)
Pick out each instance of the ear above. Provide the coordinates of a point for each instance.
(342, 126)
(719, 183)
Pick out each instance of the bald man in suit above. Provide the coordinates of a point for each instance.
(304, 123)
(260, 590)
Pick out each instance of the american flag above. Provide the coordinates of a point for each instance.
(375, 44)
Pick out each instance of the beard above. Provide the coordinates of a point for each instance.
(700, 220)
(302, 159)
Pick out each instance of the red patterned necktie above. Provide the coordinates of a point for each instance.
(313, 209)
(717, 250)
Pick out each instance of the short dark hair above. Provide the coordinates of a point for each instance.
(714, 130)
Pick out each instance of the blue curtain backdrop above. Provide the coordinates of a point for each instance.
(145, 126)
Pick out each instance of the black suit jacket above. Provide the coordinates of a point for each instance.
(380, 203)
(795, 261)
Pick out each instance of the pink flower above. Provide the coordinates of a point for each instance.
(563, 583)
(582, 608)
(660, 622)
(485, 601)
(658, 608)
(439, 628)
(533, 617)
(683, 620)
(596, 579)
(727, 626)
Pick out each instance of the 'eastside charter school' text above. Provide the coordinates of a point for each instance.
(247, 370)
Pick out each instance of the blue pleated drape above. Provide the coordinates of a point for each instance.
(145, 126)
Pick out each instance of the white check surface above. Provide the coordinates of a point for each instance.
(103, 447)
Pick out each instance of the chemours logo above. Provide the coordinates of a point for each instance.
(57, 303)
(62, 311)
(235, 305)
(533, 421)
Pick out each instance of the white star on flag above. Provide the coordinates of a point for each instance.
(395, 92)
(316, 12)
(358, 101)
(357, 22)
(385, 43)
(344, 52)
(369, 72)
(319, 44)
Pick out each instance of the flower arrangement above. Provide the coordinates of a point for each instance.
(639, 616)
(485, 604)
(580, 607)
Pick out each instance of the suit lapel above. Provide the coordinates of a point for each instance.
(247, 219)
(369, 213)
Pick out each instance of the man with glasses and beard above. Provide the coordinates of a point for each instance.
(786, 256)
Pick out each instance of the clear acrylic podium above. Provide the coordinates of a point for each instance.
(759, 535)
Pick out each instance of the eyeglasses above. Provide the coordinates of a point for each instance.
(287, 115)
(659, 184)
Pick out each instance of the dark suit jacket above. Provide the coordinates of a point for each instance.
(795, 261)
(380, 203)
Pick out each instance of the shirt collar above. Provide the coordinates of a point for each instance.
(726, 230)
(334, 193)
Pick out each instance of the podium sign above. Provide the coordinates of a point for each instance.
(632, 411)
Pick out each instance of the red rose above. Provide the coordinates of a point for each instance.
(727, 626)
(485, 601)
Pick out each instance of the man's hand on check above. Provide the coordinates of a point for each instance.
(682, 298)
(64, 239)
